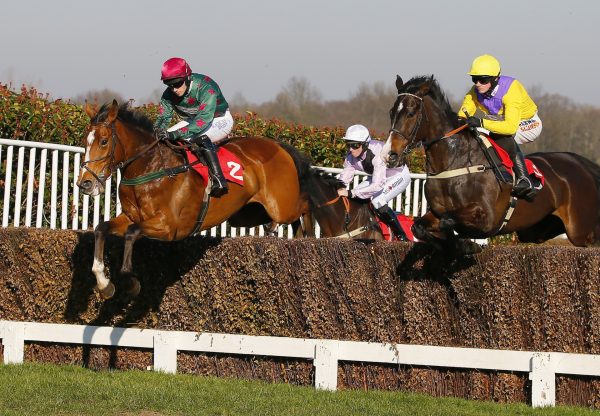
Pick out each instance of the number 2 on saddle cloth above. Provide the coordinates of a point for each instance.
(535, 175)
(230, 164)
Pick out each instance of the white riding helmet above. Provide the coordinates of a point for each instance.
(357, 133)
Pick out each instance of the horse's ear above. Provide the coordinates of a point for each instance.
(113, 111)
(91, 110)
(425, 87)
(399, 82)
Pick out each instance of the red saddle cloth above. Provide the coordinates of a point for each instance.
(508, 164)
(230, 164)
(406, 223)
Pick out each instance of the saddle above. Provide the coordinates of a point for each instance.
(503, 165)
(406, 223)
(230, 164)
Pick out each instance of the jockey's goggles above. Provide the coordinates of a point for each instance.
(175, 83)
(481, 79)
(354, 145)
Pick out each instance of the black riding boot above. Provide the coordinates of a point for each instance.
(388, 216)
(209, 151)
(523, 187)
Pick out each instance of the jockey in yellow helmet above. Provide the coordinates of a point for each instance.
(509, 114)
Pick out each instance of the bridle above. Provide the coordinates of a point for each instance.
(411, 137)
(111, 155)
(347, 218)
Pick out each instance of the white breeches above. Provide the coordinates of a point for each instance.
(220, 128)
(393, 186)
(529, 130)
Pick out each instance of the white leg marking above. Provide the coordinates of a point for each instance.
(98, 269)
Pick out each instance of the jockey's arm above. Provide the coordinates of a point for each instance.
(375, 184)
(165, 114)
(347, 173)
(202, 120)
(468, 105)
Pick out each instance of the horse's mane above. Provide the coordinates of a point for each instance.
(126, 115)
(302, 161)
(415, 84)
(316, 181)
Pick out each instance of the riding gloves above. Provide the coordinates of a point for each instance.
(474, 122)
(163, 135)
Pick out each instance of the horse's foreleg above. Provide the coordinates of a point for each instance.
(427, 230)
(131, 235)
(304, 227)
(115, 226)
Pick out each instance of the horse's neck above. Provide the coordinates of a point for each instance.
(144, 157)
(458, 151)
(360, 213)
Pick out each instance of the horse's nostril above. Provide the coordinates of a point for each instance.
(85, 185)
(393, 157)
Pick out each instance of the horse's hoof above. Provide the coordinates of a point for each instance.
(468, 248)
(133, 287)
(108, 292)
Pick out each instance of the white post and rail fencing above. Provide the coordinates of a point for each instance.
(324, 353)
(42, 192)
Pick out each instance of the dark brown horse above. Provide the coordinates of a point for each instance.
(339, 216)
(476, 204)
(167, 203)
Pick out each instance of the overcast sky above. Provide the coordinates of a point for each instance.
(68, 47)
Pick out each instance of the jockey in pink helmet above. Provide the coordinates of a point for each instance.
(199, 101)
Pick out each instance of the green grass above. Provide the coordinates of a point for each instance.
(36, 389)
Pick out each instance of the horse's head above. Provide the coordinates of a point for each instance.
(100, 146)
(409, 119)
(115, 134)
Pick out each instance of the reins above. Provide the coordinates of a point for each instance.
(111, 155)
(413, 133)
(431, 142)
(139, 180)
(347, 219)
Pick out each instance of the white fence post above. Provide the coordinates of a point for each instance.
(13, 339)
(326, 365)
(165, 352)
(543, 384)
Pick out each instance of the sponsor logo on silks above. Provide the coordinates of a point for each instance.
(389, 188)
(527, 125)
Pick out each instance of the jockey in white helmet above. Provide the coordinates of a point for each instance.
(384, 183)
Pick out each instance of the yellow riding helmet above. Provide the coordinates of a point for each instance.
(485, 65)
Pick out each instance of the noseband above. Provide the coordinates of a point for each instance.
(411, 137)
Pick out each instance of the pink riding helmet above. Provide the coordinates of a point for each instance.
(175, 68)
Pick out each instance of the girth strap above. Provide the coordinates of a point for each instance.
(458, 172)
(353, 233)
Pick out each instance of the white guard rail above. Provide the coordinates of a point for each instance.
(325, 354)
(39, 186)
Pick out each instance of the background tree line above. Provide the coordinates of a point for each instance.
(568, 126)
